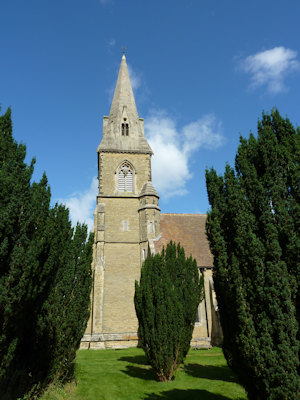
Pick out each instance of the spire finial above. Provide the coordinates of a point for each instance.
(124, 49)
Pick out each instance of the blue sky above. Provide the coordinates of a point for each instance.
(202, 71)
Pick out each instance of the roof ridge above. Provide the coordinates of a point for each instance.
(183, 214)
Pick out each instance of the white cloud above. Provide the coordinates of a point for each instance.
(82, 205)
(269, 67)
(173, 149)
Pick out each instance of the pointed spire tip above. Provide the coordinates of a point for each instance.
(123, 56)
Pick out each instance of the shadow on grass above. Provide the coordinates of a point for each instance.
(189, 394)
(216, 373)
(141, 373)
(142, 360)
(137, 371)
(210, 372)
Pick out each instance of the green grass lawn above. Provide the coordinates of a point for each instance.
(125, 375)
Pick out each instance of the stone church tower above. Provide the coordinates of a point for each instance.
(128, 224)
(126, 217)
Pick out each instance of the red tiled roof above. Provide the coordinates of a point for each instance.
(189, 231)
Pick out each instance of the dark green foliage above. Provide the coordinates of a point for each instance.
(253, 230)
(67, 306)
(166, 301)
(45, 277)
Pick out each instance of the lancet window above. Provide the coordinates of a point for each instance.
(125, 178)
(125, 129)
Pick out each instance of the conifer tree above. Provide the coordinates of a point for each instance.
(67, 308)
(253, 230)
(166, 301)
(45, 277)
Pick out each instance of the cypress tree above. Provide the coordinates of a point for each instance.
(44, 277)
(166, 301)
(253, 230)
(67, 308)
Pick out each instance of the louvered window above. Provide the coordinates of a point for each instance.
(121, 185)
(129, 181)
(125, 178)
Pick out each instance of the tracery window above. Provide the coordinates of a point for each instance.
(125, 178)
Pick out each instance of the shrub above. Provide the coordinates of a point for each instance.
(166, 301)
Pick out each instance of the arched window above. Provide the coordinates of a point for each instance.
(125, 129)
(125, 178)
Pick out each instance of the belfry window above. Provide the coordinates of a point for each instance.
(125, 178)
(125, 129)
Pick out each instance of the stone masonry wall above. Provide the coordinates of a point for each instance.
(108, 164)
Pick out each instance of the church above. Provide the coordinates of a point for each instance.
(128, 225)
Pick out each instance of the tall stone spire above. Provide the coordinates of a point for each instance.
(123, 96)
(123, 130)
